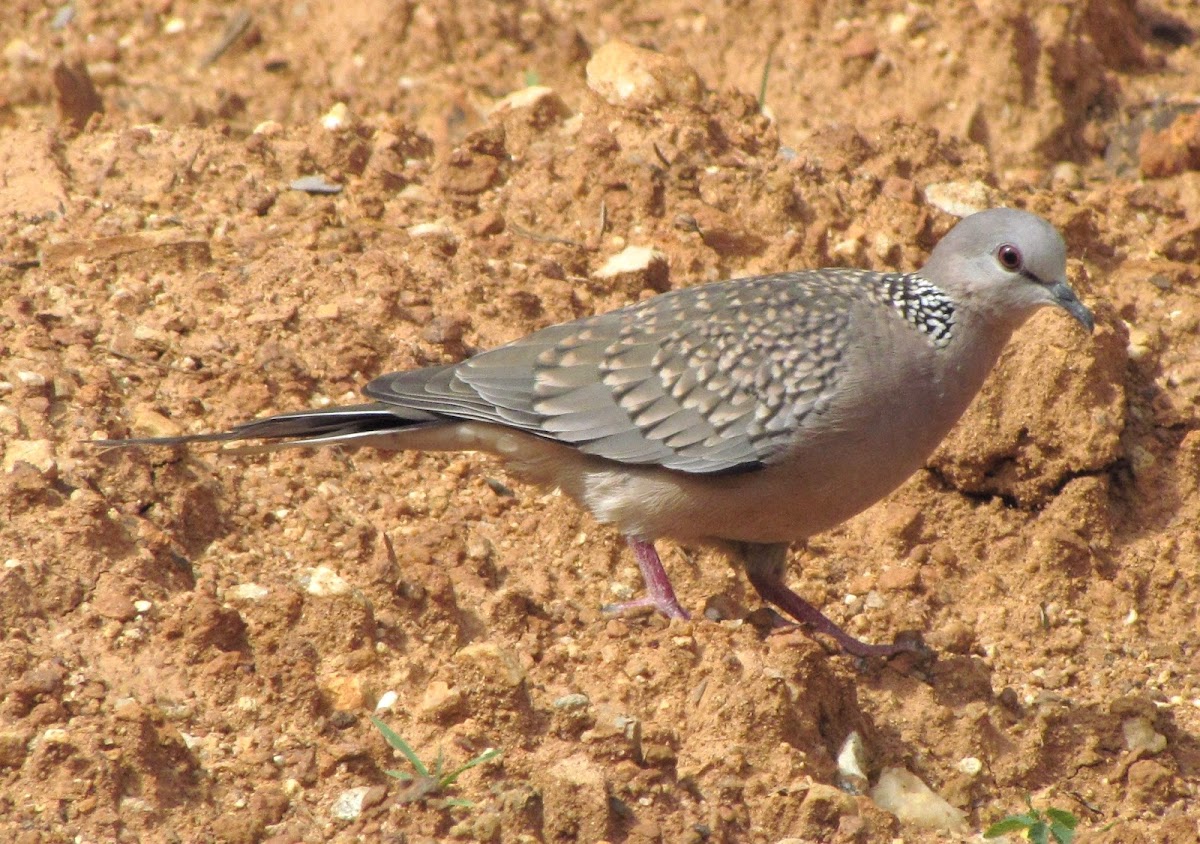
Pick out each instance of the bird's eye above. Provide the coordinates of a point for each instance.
(1009, 257)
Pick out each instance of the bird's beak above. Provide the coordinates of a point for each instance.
(1066, 299)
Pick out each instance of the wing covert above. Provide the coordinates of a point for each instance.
(704, 380)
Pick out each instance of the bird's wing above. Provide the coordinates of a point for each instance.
(704, 380)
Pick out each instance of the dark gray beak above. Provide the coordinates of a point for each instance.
(1066, 299)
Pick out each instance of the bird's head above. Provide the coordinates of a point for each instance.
(1005, 264)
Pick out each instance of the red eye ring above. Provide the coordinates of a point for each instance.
(1009, 257)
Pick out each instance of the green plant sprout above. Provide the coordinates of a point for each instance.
(425, 782)
(1055, 825)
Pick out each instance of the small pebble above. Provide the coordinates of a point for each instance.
(335, 118)
(324, 582)
(246, 592)
(912, 801)
(970, 765)
(633, 259)
(1140, 735)
(960, 199)
(63, 17)
(314, 184)
(31, 379)
(852, 764)
(349, 804)
(572, 701)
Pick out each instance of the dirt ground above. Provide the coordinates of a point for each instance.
(192, 642)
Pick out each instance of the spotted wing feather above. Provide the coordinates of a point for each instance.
(712, 379)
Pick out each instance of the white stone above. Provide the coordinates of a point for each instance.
(324, 581)
(970, 765)
(852, 764)
(960, 199)
(246, 592)
(912, 801)
(37, 453)
(349, 804)
(1140, 735)
(632, 259)
(335, 118)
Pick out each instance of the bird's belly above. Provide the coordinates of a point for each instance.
(829, 479)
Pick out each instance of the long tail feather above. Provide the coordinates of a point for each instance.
(355, 424)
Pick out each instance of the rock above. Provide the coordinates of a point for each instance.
(338, 117)
(34, 185)
(347, 693)
(324, 582)
(350, 803)
(614, 735)
(822, 808)
(149, 423)
(852, 765)
(1171, 151)
(113, 598)
(646, 268)
(970, 765)
(75, 95)
(236, 828)
(12, 749)
(1151, 783)
(441, 703)
(571, 701)
(960, 199)
(1140, 736)
(899, 579)
(547, 106)
(246, 592)
(913, 802)
(317, 184)
(1067, 174)
(632, 77)
(497, 665)
(575, 800)
(37, 453)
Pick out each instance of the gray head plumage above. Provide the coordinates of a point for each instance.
(1006, 263)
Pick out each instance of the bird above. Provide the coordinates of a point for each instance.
(747, 414)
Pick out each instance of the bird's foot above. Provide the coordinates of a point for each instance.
(660, 595)
(773, 589)
(668, 607)
(863, 650)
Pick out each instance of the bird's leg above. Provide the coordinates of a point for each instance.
(660, 595)
(765, 565)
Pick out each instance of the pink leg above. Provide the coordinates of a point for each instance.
(660, 595)
(764, 568)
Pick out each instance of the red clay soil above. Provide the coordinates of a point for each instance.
(192, 642)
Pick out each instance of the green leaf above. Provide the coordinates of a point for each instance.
(403, 776)
(393, 738)
(1010, 824)
(1062, 834)
(1039, 833)
(487, 756)
(1063, 818)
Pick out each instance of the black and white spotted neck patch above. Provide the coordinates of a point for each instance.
(924, 305)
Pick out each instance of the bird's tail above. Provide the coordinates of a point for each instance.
(360, 424)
